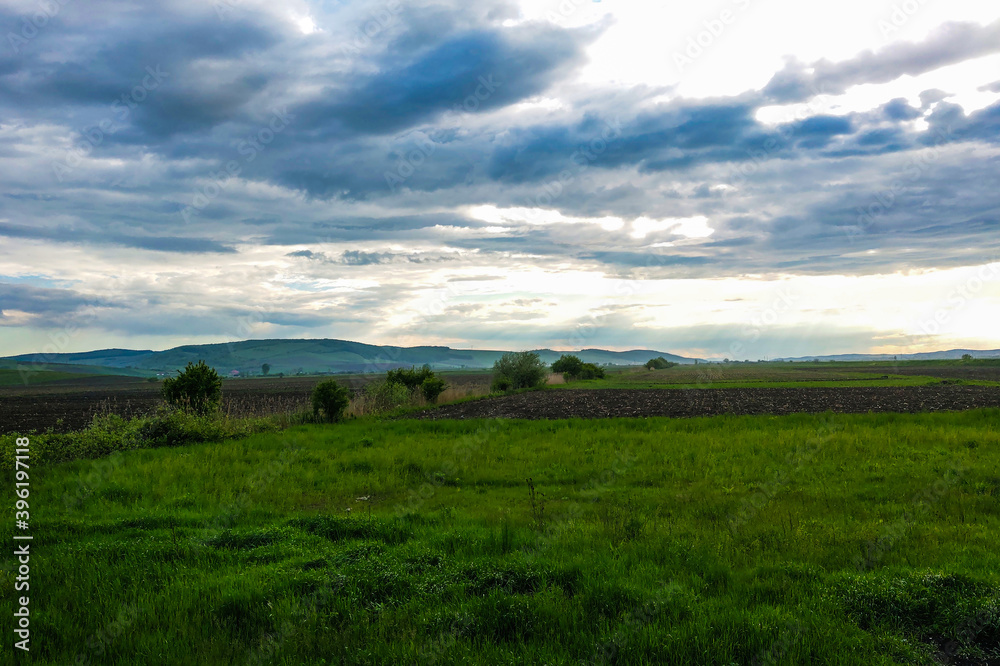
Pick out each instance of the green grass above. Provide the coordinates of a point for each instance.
(873, 381)
(12, 377)
(769, 375)
(859, 539)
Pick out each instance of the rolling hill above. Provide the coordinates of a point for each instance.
(313, 356)
(951, 354)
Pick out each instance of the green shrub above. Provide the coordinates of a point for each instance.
(110, 433)
(518, 370)
(196, 389)
(385, 396)
(411, 378)
(432, 387)
(590, 371)
(659, 363)
(331, 400)
(568, 366)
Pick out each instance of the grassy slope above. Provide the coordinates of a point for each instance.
(718, 540)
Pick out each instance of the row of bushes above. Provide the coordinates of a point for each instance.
(108, 433)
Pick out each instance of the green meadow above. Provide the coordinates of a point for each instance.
(797, 375)
(857, 539)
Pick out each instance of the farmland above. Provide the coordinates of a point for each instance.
(848, 539)
(65, 402)
(832, 513)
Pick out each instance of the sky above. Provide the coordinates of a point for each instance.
(747, 179)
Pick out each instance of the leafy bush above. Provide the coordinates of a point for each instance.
(420, 379)
(385, 396)
(330, 399)
(411, 378)
(518, 370)
(108, 434)
(432, 387)
(591, 371)
(569, 366)
(659, 363)
(197, 389)
(572, 367)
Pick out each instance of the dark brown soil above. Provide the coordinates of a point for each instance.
(610, 403)
(71, 404)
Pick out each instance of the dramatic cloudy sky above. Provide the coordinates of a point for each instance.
(741, 178)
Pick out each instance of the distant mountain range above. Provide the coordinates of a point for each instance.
(951, 354)
(315, 356)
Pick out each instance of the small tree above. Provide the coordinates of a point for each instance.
(590, 371)
(412, 378)
(330, 400)
(385, 396)
(569, 366)
(196, 389)
(659, 363)
(966, 357)
(517, 370)
(266, 368)
(432, 387)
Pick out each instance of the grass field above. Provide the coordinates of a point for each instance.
(861, 539)
(11, 377)
(800, 375)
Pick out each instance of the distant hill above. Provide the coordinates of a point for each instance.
(314, 356)
(951, 354)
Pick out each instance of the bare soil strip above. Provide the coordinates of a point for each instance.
(612, 403)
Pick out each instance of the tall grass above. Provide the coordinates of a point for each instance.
(857, 539)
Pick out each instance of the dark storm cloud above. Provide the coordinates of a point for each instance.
(157, 243)
(361, 116)
(475, 71)
(44, 301)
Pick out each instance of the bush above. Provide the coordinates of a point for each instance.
(411, 378)
(420, 379)
(659, 363)
(331, 399)
(572, 367)
(197, 389)
(108, 434)
(518, 370)
(432, 387)
(386, 396)
(591, 371)
(568, 366)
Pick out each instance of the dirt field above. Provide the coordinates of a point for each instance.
(70, 404)
(609, 403)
